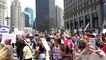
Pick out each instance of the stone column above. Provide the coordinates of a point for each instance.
(100, 15)
(91, 21)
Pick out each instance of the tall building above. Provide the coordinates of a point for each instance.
(45, 15)
(17, 17)
(31, 18)
(22, 22)
(79, 13)
(3, 11)
(33, 24)
(27, 17)
(59, 17)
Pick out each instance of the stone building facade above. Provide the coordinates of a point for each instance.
(79, 13)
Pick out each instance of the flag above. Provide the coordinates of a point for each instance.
(69, 32)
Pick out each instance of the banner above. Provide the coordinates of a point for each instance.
(92, 41)
(92, 57)
(45, 44)
(8, 36)
(104, 31)
(4, 29)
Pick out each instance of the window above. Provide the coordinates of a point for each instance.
(95, 20)
(87, 3)
(81, 6)
(91, 8)
(87, 19)
(87, 10)
(91, 1)
(95, 8)
(81, 22)
(84, 4)
(76, 23)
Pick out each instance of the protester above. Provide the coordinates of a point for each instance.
(27, 50)
(40, 51)
(4, 53)
(75, 41)
(8, 45)
(64, 52)
(20, 45)
(103, 42)
(82, 43)
(68, 42)
(54, 51)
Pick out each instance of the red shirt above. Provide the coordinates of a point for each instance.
(69, 43)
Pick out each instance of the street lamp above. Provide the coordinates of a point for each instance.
(7, 20)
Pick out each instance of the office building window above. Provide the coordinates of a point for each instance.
(76, 23)
(87, 20)
(71, 23)
(95, 20)
(87, 3)
(91, 1)
(81, 22)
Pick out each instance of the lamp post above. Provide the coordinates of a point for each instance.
(7, 21)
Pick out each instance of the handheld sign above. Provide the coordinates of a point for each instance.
(92, 42)
(45, 44)
(92, 57)
(104, 31)
(9, 36)
(4, 29)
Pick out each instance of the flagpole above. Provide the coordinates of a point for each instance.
(103, 25)
(86, 26)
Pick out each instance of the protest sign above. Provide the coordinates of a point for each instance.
(9, 36)
(92, 57)
(104, 31)
(92, 42)
(4, 29)
(45, 44)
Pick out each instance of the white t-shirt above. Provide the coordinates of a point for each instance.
(28, 52)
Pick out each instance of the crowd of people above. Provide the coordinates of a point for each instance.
(63, 46)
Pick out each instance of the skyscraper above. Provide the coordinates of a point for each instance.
(27, 17)
(31, 18)
(17, 17)
(3, 11)
(59, 17)
(45, 15)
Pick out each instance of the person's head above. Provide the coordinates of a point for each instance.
(22, 37)
(39, 38)
(4, 52)
(31, 36)
(57, 41)
(27, 42)
(8, 41)
(63, 50)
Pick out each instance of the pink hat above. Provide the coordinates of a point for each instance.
(22, 36)
(8, 41)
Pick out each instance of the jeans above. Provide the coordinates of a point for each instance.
(41, 56)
